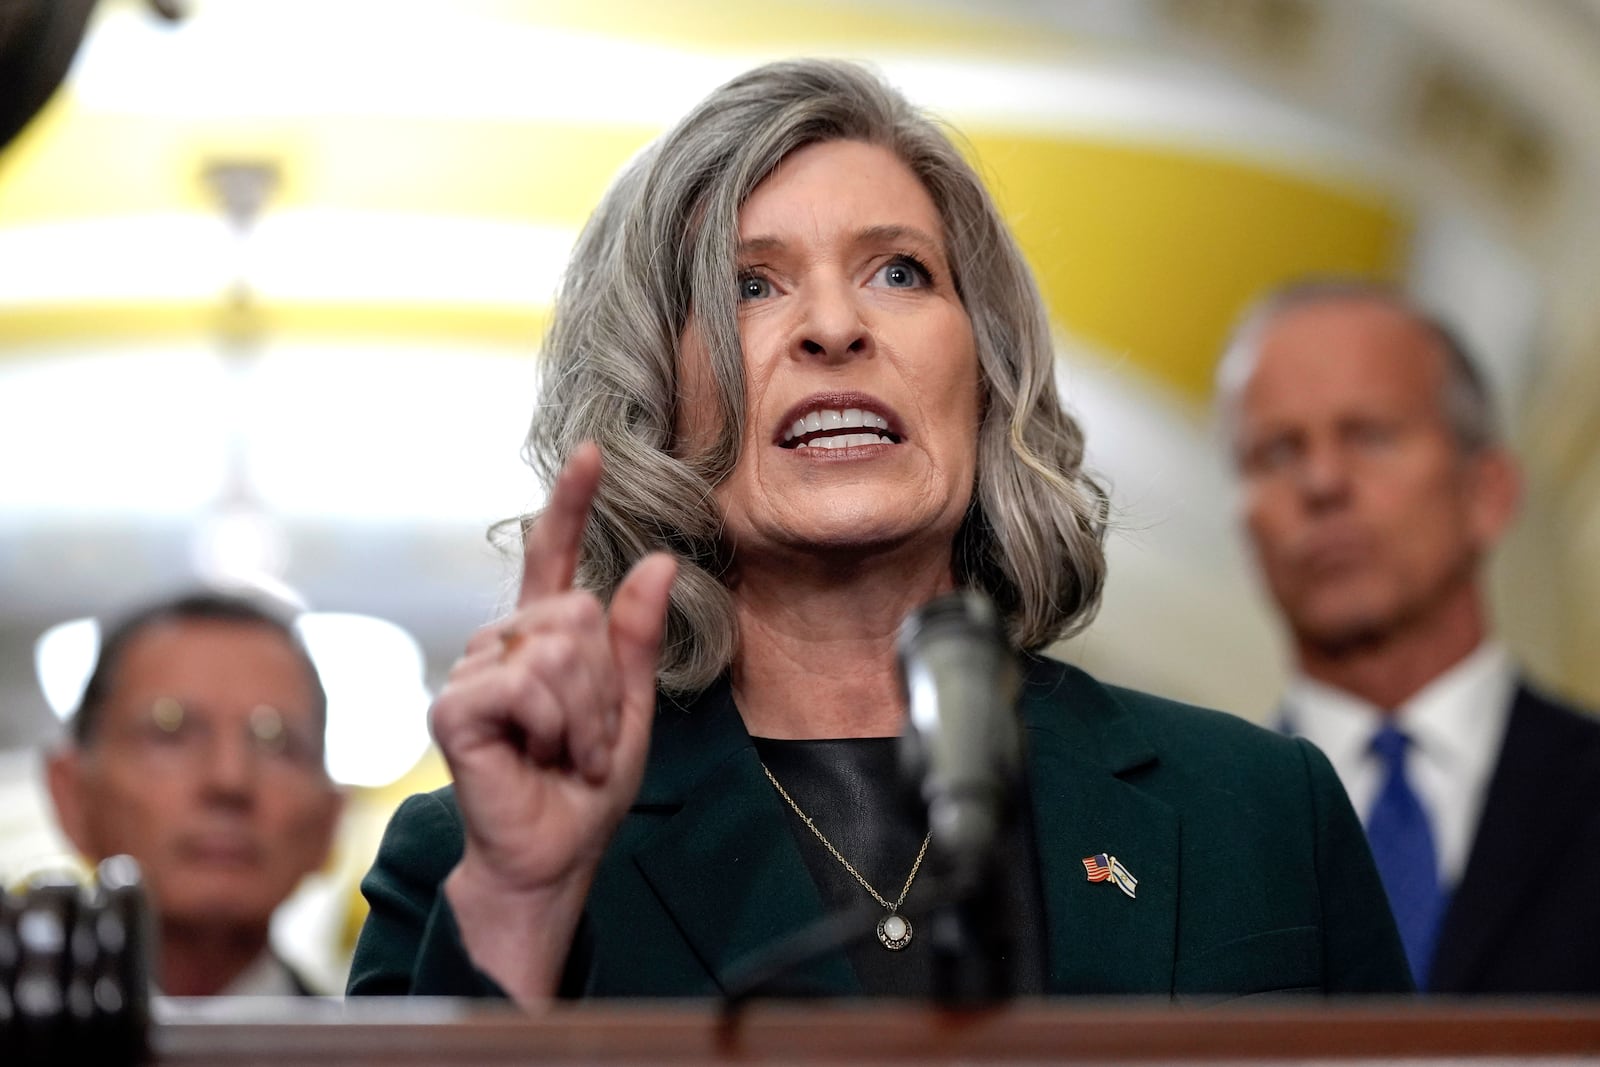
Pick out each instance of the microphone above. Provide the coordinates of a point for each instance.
(75, 968)
(962, 748)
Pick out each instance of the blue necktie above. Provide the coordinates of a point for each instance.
(1402, 845)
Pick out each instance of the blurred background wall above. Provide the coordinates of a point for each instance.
(273, 276)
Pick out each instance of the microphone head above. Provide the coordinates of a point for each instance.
(962, 748)
(965, 612)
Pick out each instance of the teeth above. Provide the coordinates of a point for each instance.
(831, 419)
(846, 440)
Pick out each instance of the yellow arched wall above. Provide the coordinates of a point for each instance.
(1148, 252)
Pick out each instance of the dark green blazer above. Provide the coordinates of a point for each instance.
(1254, 874)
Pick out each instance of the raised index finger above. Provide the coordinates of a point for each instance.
(550, 549)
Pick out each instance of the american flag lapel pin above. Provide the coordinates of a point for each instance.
(1103, 868)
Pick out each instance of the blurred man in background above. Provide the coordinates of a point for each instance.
(1374, 486)
(198, 750)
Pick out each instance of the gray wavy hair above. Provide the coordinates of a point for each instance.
(662, 242)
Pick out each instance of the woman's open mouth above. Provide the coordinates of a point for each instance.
(838, 428)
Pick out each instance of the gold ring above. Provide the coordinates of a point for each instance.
(510, 638)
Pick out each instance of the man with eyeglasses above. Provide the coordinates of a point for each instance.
(198, 750)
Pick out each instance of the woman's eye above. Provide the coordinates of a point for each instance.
(754, 287)
(902, 272)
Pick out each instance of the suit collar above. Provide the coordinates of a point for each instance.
(690, 740)
(1076, 711)
(1084, 745)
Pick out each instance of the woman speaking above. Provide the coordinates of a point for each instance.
(799, 382)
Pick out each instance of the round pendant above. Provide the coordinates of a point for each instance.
(894, 932)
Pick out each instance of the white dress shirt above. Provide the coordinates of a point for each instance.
(1456, 724)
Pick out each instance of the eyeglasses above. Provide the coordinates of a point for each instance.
(170, 732)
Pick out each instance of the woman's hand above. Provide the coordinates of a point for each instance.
(545, 723)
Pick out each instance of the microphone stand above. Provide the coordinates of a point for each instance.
(972, 938)
(762, 973)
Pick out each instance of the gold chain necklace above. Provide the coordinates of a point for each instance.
(894, 929)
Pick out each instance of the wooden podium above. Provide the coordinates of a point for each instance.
(410, 1033)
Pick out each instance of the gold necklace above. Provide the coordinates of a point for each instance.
(894, 929)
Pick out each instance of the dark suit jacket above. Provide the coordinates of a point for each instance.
(1254, 874)
(1526, 916)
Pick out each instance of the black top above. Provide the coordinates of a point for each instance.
(851, 788)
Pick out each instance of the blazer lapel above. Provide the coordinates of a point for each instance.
(1101, 940)
(1525, 821)
(733, 886)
